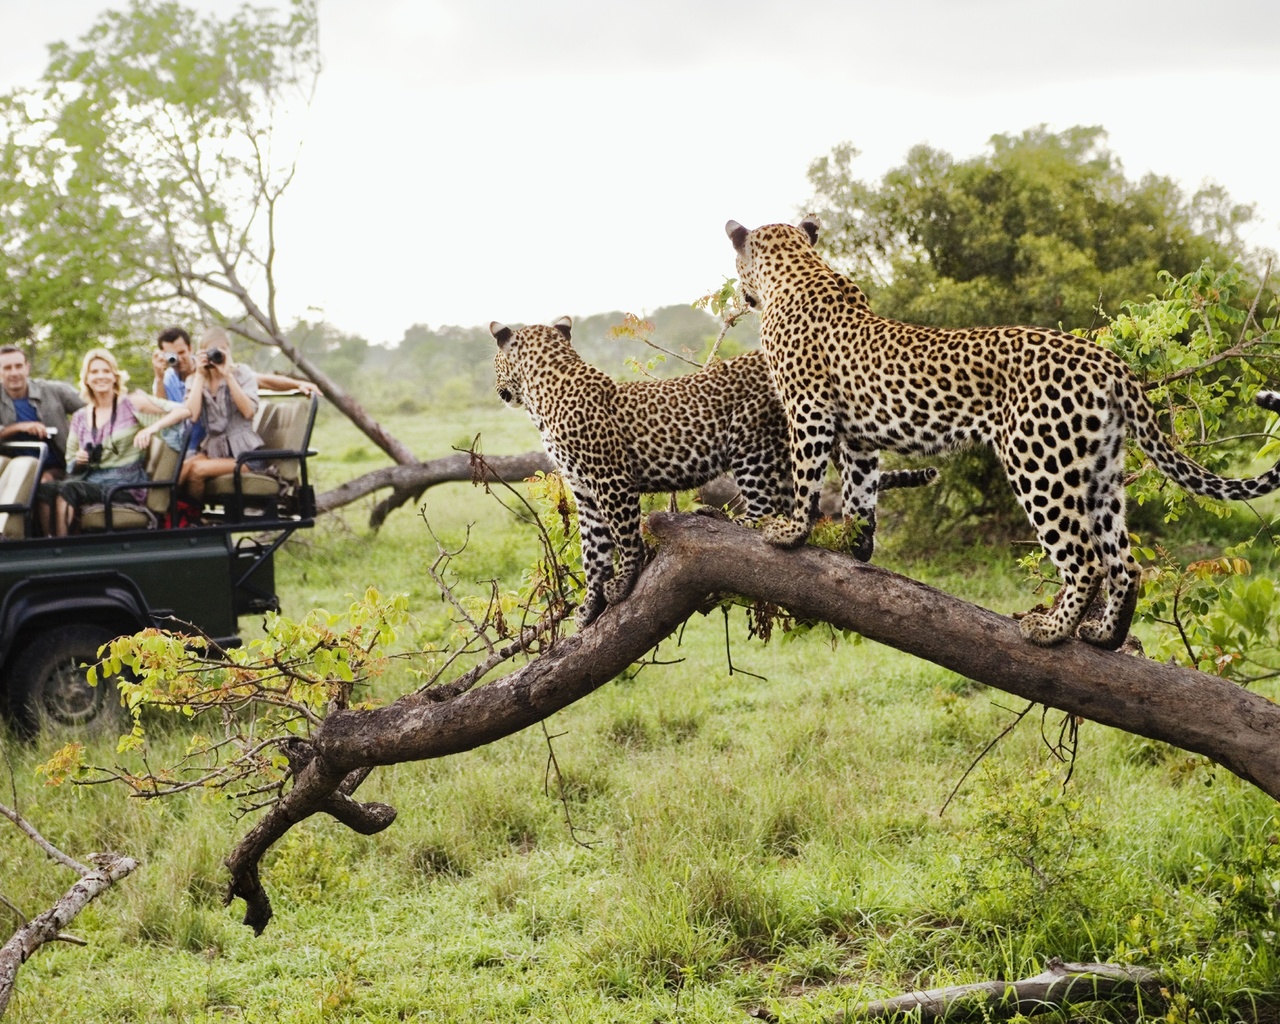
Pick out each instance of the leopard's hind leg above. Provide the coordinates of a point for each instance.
(1111, 545)
(1056, 504)
(859, 491)
(597, 556)
(620, 509)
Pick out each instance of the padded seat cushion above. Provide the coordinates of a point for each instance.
(252, 485)
(17, 487)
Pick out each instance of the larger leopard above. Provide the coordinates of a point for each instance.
(1055, 407)
(615, 441)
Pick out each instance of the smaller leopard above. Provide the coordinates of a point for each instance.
(614, 441)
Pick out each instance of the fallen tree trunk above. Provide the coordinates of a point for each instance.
(699, 558)
(408, 482)
(47, 927)
(1060, 984)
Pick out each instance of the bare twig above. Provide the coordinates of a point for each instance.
(981, 754)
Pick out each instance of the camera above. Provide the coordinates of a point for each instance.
(217, 356)
(171, 358)
(94, 451)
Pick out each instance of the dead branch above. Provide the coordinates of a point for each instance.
(700, 558)
(408, 482)
(1061, 984)
(108, 868)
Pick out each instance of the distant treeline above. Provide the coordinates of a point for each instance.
(452, 367)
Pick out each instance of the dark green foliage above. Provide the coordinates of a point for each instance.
(1035, 231)
(1044, 229)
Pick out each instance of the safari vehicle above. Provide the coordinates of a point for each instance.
(132, 566)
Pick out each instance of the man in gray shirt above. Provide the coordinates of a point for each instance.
(35, 410)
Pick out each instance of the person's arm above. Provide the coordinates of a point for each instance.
(244, 401)
(195, 393)
(30, 428)
(278, 382)
(158, 366)
(68, 397)
(169, 413)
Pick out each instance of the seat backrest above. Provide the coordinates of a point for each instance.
(286, 424)
(162, 467)
(17, 487)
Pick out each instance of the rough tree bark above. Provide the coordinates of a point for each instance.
(700, 557)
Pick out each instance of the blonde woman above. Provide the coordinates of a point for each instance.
(107, 441)
(222, 395)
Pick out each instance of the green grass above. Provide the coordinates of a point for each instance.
(768, 842)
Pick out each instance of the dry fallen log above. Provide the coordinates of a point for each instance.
(408, 482)
(700, 557)
(47, 927)
(1060, 984)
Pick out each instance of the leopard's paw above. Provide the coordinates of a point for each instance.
(1093, 631)
(617, 589)
(785, 533)
(1041, 630)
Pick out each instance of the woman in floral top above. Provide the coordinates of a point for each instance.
(107, 442)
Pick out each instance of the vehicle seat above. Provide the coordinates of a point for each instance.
(280, 486)
(18, 476)
(163, 466)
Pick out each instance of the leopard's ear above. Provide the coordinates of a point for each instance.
(737, 234)
(564, 325)
(811, 226)
(501, 333)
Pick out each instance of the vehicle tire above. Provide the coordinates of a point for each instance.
(48, 685)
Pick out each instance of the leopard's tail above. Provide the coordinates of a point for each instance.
(1182, 470)
(892, 479)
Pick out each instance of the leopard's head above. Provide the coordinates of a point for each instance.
(751, 246)
(512, 345)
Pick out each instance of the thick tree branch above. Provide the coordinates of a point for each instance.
(700, 557)
(408, 482)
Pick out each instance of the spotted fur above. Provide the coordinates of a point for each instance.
(615, 441)
(1055, 407)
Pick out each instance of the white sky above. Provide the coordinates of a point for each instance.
(473, 160)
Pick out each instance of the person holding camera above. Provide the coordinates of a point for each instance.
(222, 395)
(107, 442)
(173, 362)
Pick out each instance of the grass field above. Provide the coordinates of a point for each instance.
(764, 839)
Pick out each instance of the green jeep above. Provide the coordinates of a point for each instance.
(132, 567)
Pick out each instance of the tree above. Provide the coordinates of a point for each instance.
(1038, 231)
(307, 678)
(143, 182)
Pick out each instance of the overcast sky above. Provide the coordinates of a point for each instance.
(472, 160)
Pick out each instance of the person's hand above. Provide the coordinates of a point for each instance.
(143, 438)
(308, 388)
(33, 427)
(211, 370)
(82, 457)
(159, 363)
